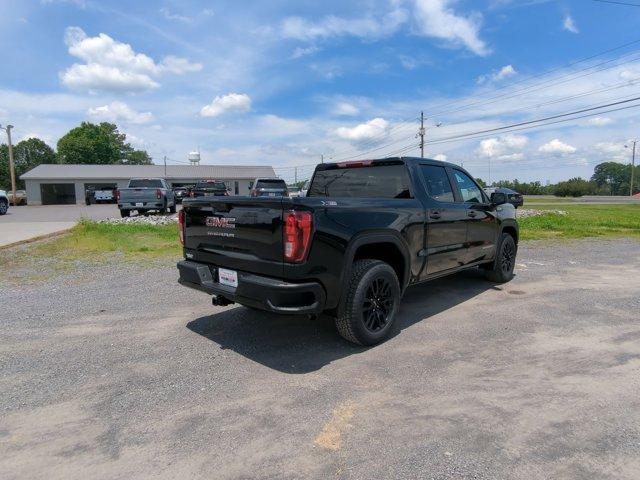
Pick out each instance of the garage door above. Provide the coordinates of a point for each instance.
(58, 193)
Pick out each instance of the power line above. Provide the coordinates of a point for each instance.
(615, 2)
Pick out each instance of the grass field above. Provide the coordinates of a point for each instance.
(90, 243)
(583, 221)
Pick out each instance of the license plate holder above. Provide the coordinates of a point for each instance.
(139, 204)
(228, 277)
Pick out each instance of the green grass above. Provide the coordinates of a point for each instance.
(583, 221)
(90, 243)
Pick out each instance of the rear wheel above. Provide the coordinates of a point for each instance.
(4, 206)
(125, 213)
(172, 208)
(501, 270)
(368, 308)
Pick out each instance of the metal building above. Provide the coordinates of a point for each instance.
(66, 184)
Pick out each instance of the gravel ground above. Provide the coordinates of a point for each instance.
(124, 374)
(530, 212)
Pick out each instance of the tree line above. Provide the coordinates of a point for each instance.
(89, 143)
(609, 178)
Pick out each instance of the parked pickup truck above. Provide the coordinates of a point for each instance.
(145, 194)
(209, 188)
(365, 232)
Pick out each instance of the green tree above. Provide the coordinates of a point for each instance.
(27, 154)
(137, 157)
(574, 187)
(613, 178)
(89, 143)
(481, 182)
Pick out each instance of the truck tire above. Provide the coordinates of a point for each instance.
(501, 270)
(125, 213)
(172, 208)
(368, 309)
(4, 206)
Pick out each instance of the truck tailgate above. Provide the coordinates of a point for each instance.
(137, 194)
(239, 233)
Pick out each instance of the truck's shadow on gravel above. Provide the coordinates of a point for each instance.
(293, 344)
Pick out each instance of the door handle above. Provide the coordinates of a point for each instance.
(471, 214)
(435, 215)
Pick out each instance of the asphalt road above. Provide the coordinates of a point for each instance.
(116, 372)
(33, 221)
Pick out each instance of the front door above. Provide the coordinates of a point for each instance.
(481, 218)
(445, 225)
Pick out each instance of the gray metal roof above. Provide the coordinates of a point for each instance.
(174, 172)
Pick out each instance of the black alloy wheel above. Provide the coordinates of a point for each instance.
(377, 305)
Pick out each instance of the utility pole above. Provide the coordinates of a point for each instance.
(295, 175)
(421, 133)
(633, 165)
(165, 167)
(321, 158)
(12, 169)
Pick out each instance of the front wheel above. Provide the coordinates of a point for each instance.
(501, 270)
(4, 206)
(125, 213)
(172, 208)
(368, 308)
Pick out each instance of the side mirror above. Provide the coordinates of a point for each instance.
(499, 198)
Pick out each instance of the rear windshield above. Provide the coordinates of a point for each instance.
(380, 181)
(212, 184)
(271, 183)
(145, 183)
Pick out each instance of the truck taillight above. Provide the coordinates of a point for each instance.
(158, 193)
(297, 235)
(181, 226)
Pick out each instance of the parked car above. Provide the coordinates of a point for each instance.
(180, 193)
(513, 197)
(21, 197)
(294, 191)
(104, 195)
(144, 195)
(365, 231)
(209, 188)
(4, 202)
(269, 187)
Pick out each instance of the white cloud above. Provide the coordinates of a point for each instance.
(503, 148)
(346, 109)
(376, 128)
(303, 52)
(114, 66)
(557, 147)
(116, 111)
(505, 72)
(441, 157)
(169, 15)
(612, 151)
(333, 26)
(599, 121)
(232, 102)
(431, 18)
(435, 18)
(569, 25)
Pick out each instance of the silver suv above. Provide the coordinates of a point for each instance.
(4, 202)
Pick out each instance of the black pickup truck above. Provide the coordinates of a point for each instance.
(365, 232)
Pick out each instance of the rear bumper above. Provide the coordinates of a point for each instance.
(256, 291)
(145, 205)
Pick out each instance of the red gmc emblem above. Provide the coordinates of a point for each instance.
(221, 222)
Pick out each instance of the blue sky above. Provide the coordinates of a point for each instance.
(282, 83)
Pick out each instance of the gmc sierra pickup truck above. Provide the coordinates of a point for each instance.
(365, 232)
(145, 194)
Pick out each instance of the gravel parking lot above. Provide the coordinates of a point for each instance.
(117, 372)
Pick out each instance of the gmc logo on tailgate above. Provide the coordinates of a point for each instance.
(221, 222)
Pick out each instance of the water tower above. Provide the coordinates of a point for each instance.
(194, 158)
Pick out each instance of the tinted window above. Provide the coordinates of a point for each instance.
(271, 183)
(212, 185)
(145, 183)
(380, 181)
(468, 189)
(438, 184)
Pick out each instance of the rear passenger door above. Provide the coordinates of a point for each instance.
(445, 224)
(480, 218)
